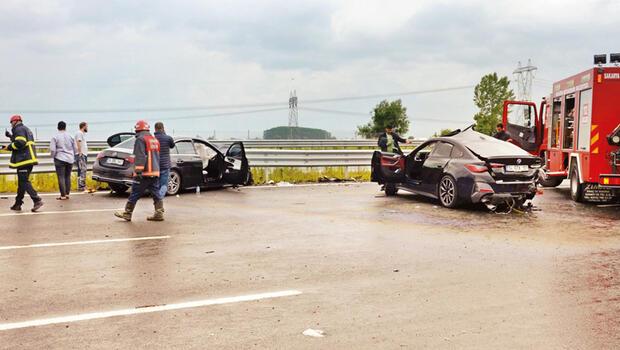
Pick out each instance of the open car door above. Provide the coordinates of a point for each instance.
(523, 124)
(237, 170)
(387, 167)
(118, 138)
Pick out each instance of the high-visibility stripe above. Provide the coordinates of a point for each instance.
(25, 162)
(21, 138)
(594, 127)
(594, 139)
(139, 167)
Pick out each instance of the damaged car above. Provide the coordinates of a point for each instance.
(465, 167)
(195, 163)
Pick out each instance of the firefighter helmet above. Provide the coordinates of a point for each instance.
(142, 125)
(16, 118)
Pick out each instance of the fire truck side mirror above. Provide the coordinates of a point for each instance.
(614, 138)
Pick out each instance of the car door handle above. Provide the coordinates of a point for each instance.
(439, 166)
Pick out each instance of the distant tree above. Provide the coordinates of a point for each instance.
(489, 97)
(442, 132)
(384, 114)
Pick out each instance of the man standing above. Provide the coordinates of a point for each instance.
(146, 173)
(165, 144)
(388, 141)
(23, 158)
(501, 134)
(63, 150)
(82, 156)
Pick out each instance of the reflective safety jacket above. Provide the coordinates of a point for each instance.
(22, 147)
(146, 153)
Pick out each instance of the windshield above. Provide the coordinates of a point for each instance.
(487, 146)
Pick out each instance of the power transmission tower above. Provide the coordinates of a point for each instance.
(524, 75)
(293, 112)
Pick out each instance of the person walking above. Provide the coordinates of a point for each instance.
(63, 150)
(82, 156)
(165, 144)
(23, 159)
(146, 173)
(388, 141)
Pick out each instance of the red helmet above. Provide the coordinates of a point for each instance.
(142, 125)
(16, 118)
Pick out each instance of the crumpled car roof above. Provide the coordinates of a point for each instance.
(487, 146)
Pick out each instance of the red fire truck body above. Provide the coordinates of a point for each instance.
(577, 132)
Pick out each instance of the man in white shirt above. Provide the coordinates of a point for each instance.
(82, 155)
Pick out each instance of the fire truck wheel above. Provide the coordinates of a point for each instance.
(550, 181)
(576, 188)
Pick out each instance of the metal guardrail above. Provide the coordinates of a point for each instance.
(258, 158)
(97, 145)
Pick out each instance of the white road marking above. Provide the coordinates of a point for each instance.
(146, 309)
(12, 195)
(60, 212)
(46, 245)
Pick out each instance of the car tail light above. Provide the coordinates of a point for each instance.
(496, 166)
(100, 155)
(477, 168)
(130, 159)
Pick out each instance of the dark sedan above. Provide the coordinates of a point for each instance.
(466, 167)
(195, 163)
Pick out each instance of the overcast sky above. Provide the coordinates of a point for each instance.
(97, 55)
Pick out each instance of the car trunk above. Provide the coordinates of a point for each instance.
(513, 168)
(116, 158)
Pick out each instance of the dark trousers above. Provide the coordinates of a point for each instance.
(63, 172)
(140, 186)
(24, 185)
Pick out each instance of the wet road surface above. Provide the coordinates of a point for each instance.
(371, 271)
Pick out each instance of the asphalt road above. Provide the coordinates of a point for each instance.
(262, 265)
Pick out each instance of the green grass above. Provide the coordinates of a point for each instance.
(305, 175)
(45, 183)
(49, 182)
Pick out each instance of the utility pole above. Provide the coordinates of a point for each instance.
(524, 75)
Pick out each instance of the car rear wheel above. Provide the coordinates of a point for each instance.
(118, 188)
(174, 183)
(576, 188)
(448, 194)
(391, 189)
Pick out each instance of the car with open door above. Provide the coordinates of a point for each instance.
(195, 163)
(464, 167)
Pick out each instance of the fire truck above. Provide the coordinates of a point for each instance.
(576, 130)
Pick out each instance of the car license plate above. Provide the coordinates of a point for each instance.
(114, 161)
(516, 168)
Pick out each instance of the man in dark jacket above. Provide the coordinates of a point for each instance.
(146, 173)
(501, 134)
(23, 158)
(165, 144)
(388, 141)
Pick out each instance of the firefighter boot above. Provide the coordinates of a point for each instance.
(126, 215)
(159, 212)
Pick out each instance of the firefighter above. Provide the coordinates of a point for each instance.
(146, 173)
(23, 159)
(501, 134)
(388, 141)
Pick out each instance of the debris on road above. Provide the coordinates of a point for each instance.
(210, 252)
(316, 333)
